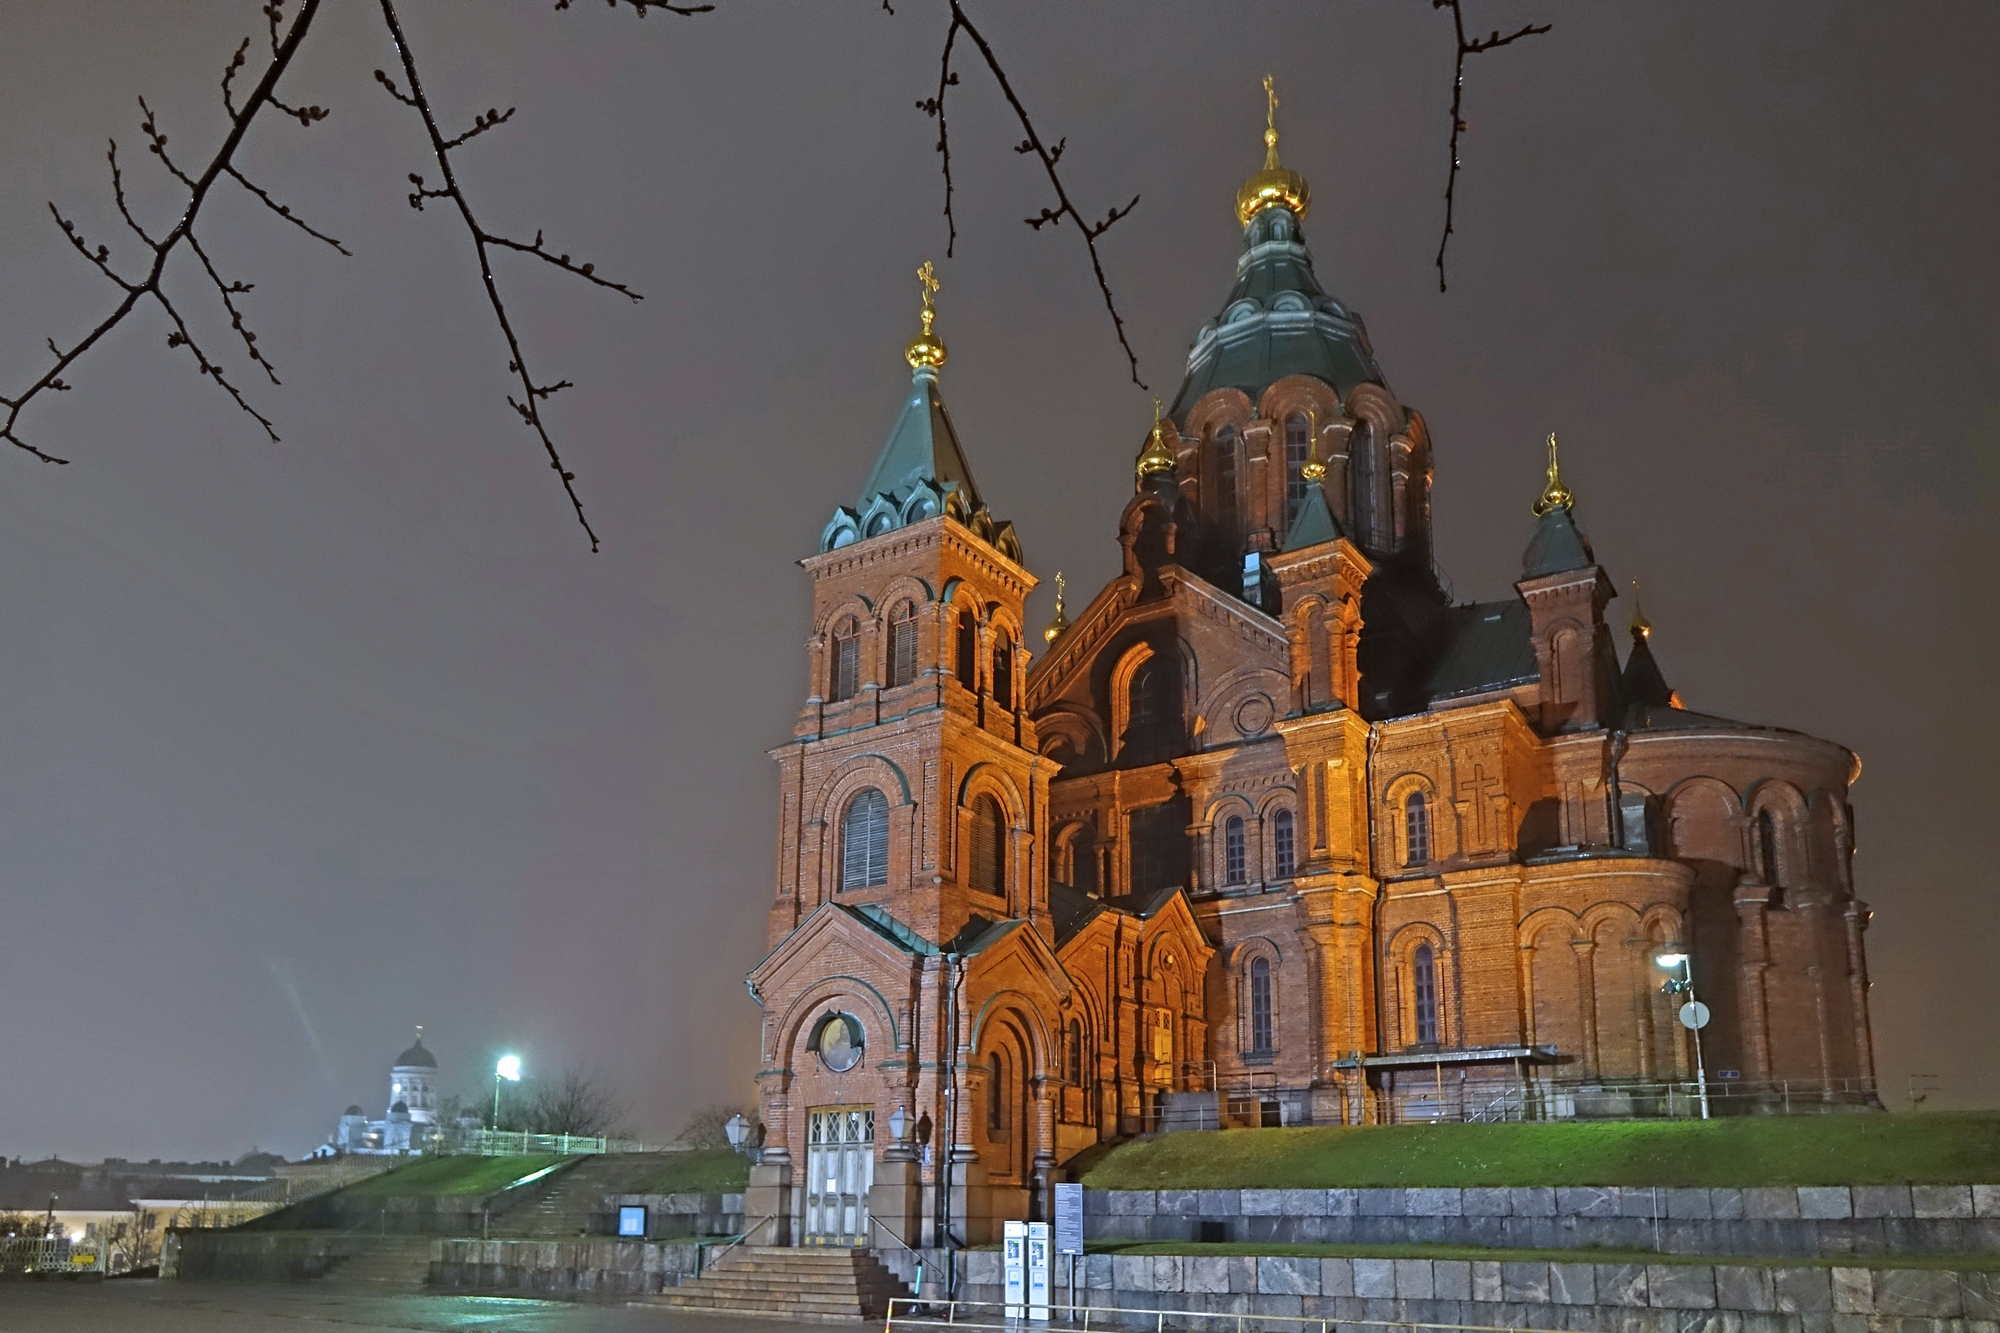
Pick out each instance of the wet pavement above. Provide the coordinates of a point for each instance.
(145, 1306)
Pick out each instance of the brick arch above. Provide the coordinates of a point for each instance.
(1081, 727)
(991, 779)
(1395, 796)
(1012, 1036)
(1618, 990)
(874, 1010)
(852, 775)
(1236, 975)
(1791, 819)
(1399, 953)
(1555, 981)
(854, 604)
(1216, 408)
(1704, 821)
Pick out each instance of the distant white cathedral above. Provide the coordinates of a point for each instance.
(412, 1119)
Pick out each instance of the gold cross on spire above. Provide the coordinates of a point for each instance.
(927, 349)
(1313, 469)
(928, 283)
(1271, 120)
(1554, 495)
(1060, 622)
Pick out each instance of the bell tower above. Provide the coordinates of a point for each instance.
(912, 790)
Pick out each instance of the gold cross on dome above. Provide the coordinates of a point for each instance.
(1271, 110)
(927, 278)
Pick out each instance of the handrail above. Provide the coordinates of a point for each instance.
(893, 1236)
(1325, 1324)
(747, 1231)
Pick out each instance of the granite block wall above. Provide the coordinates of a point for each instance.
(561, 1268)
(1807, 1222)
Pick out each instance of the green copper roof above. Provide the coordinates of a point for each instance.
(1314, 523)
(1643, 683)
(920, 467)
(1277, 322)
(1557, 547)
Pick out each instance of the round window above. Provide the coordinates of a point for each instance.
(839, 1042)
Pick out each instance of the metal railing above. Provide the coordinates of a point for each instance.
(701, 1263)
(52, 1254)
(508, 1143)
(1004, 1315)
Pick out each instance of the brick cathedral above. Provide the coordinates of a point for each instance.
(1272, 831)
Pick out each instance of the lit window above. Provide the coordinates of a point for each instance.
(1282, 841)
(864, 841)
(1233, 857)
(1416, 830)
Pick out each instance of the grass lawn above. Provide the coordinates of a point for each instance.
(704, 1171)
(1855, 1149)
(1585, 1255)
(449, 1175)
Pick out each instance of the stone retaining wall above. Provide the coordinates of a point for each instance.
(1807, 1221)
(562, 1268)
(1631, 1298)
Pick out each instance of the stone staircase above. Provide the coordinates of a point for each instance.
(562, 1205)
(793, 1283)
(402, 1262)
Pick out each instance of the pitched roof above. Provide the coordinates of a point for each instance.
(922, 446)
(1071, 910)
(1483, 646)
(1314, 523)
(889, 928)
(1642, 682)
(1557, 546)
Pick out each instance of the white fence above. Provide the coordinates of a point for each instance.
(916, 1313)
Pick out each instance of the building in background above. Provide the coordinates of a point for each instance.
(411, 1122)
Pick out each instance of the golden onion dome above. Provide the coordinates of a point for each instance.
(1158, 455)
(926, 349)
(1059, 622)
(1276, 186)
(1554, 494)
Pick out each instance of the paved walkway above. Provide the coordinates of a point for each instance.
(213, 1307)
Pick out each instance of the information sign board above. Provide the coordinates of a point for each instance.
(1069, 1218)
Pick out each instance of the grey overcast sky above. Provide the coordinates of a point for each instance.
(304, 744)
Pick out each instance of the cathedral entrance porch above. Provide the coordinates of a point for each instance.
(840, 1169)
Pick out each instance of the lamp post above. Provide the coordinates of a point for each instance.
(1693, 1013)
(509, 1069)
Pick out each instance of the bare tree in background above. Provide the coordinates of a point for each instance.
(576, 1101)
(708, 1127)
(140, 271)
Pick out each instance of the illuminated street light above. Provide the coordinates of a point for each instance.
(1693, 1013)
(509, 1069)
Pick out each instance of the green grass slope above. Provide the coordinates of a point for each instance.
(1941, 1149)
(703, 1171)
(449, 1175)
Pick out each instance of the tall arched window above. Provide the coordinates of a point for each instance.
(1416, 830)
(996, 1097)
(1076, 1052)
(1367, 490)
(1003, 670)
(864, 841)
(846, 664)
(1153, 714)
(989, 865)
(1234, 848)
(903, 644)
(1298, 446)
(1260, 1006)
(1424, 991)
(1083, 859)
(1284, 843)
(968, 651)
(1225, 480)
(1767, 846)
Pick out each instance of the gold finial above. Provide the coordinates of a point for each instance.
(1314, 470)
(1158, 455)
(1060, 622)
(1275, 186)
(926, 349)
(1555, 495)
(1641, 627)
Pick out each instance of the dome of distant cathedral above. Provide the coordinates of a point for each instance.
(416, 1058)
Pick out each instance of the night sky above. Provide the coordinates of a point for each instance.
(304, 744)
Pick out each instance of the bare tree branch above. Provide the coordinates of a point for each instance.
(643, 5)
(527, 406)
(52, 379)
(1467, 48)
(1048, 158)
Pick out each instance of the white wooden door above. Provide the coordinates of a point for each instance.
(840, 1167)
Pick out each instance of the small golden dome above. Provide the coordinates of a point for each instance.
(1313, 469)
(1554, 495)
(1642, 628)
(1276, 186)
(1059, 622)
(926, 349)
(1158, 455)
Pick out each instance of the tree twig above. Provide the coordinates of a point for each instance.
(1033, 143)
(1467, 48)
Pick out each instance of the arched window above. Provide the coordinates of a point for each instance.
(1424, 991)
(864, 841)
(968, 651)
(1076, 1052)
(996, 1097)
(989, 867)
(1225, 479)
(903, 644)
(1298, 446)
(1260, 1006)
(1003, 670)
(1152, 715)
(846, 682)
(1367, 491)
(1284, 843)
(1233, 851)
(1767, 846)
(1083, 859)
(1416, 830)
